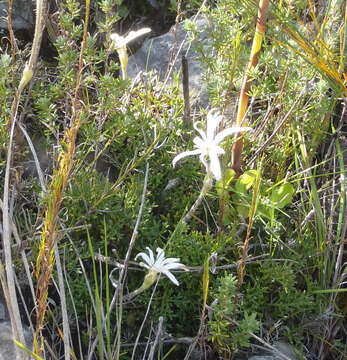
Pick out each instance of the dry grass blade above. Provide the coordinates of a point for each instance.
(8, 284)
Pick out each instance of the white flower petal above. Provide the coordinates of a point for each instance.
(218, 150)
(202, 134)
(135, 34)
(184, 154)
(171, 277)
(198, 142)
(149, 259)
(144, 265)
(161, 264)
(213, 121)
(171, 260)
(202, 158)
(229, 131)
(160, 256)
(215, 166)
(151, 256)
(119, 41)
(144, 257)
(176, 266)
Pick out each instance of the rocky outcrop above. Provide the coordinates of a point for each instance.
(163, 54)
(7, 346)
(22, 14)
(284, 351)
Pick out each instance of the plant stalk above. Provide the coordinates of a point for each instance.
(246, 85)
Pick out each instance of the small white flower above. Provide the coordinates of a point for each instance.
(160, 264)
(120, 44)
(207, 145)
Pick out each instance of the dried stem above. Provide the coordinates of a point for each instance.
(8, 282)
(157, 337)
(185, 85)
(45, 260)
(14, 47)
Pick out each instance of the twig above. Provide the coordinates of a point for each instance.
(14, 46)
(157, 337)
(185, 84)
(197, 269)
(62, 296)
(9, 284)
(41, 6)
(196, 338)
(144, 320)
(170, 70)
(170, 340)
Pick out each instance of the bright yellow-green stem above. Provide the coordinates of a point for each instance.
(123, 58)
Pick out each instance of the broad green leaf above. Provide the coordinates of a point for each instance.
(246, 181)
(243, 209)
(223, 184)
(282, 195)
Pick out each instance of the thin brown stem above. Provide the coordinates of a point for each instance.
(14, 46)
(185, 85)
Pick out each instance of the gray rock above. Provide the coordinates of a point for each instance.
(286, 349)
(22, 14)
(7, 347)
(163, 54)
(283, 347)
(2, 311)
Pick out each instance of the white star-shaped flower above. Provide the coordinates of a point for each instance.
(160, 264)
(207, 145)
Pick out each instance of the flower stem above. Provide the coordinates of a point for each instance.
(205, 189)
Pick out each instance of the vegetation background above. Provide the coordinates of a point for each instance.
(88, 183)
